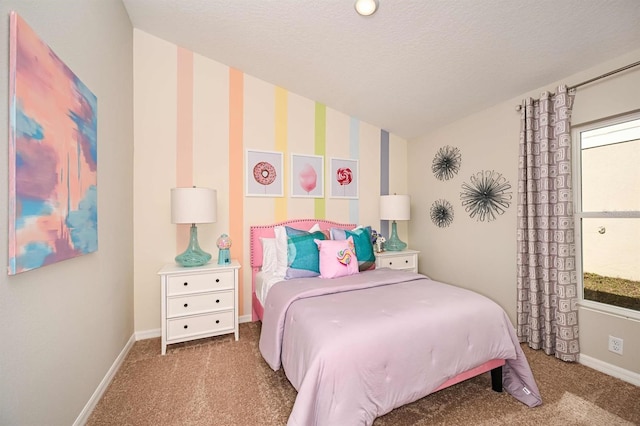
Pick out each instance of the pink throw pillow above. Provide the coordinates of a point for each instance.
(337, 258)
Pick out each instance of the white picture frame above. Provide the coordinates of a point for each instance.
(307, 176)
(264, 173)
(343, 178)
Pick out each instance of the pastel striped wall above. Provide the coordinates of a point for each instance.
(236, 145)
(384, 175)
(354, 152)
(320, 148)
(194, 120)
(281, 120)
(184, 132)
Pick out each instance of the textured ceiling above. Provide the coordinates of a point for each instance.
(413, 66)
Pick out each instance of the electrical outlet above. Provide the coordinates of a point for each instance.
(615, 345)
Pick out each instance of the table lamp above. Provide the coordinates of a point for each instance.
(193, 205)
(395, 207)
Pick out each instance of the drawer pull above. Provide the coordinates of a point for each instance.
(406, 261)
(186, 304)
(186, 326)
(217, 321)
(217, 280)
(217, 300)
(186, 283)
(390, 263)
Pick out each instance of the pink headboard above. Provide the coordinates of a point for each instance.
(266, 231)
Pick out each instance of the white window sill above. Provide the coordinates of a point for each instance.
(604, 308)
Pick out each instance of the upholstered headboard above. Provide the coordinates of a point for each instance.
(266, 231)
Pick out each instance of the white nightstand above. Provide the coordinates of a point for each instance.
(198, 302)
(406, 260)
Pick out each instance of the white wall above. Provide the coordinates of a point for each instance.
(482, 255)
(62, 326)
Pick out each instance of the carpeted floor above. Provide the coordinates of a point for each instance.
(219, 381)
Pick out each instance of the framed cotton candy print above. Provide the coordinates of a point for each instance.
(343, 178)
(52, 156)
(307, 176)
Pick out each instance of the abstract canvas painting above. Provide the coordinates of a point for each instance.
(52, 156)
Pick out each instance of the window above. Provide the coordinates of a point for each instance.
(607, 190)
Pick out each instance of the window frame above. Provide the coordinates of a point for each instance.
(576, 140)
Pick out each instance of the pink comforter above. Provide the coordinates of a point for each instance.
(356, 355)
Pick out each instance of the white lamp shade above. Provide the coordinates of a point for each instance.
(395, 207)
(193, 205)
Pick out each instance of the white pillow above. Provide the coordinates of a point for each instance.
(269, 255)
(315, 228)
(281, 250)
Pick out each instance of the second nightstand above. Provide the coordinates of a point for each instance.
(406, 260)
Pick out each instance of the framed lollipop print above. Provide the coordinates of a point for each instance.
(264, 174)
(343, 178)
(307, 176)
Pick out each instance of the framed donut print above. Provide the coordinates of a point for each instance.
(343, 178)
(307, 176)
(264, 174)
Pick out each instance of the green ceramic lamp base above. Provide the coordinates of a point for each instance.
(193, 255)
(394, 243)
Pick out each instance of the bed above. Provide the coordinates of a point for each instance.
(356, 347)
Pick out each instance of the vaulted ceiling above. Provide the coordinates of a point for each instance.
(414, 65)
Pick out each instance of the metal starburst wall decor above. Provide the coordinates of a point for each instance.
(446, 163)
(486, 195)
(442, 213)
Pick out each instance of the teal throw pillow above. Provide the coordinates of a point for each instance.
(362, 242)
(303, 257)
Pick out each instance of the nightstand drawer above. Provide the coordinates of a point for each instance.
(185, 284)
(398, 262)
(200, 324)
(199, 303)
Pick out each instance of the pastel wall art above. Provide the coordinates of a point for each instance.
(264, 174)
(344, 178)
(52, 156)
(307, 176)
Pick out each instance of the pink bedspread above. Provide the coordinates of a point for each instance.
(357, 347)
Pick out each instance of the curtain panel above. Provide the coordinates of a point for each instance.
(547, 311)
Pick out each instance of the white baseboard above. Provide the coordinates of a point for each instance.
(83, 417)
(148, 334)
(610, 369)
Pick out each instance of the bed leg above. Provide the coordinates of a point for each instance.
(496, 379)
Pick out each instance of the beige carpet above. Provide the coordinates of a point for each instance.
(219, 381)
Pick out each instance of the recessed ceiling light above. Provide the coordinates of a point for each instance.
(366, 7)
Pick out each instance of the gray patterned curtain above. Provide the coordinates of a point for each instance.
(547, 280)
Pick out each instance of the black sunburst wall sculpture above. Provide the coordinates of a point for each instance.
(446, 163)
(442, 213)
(486, 195)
